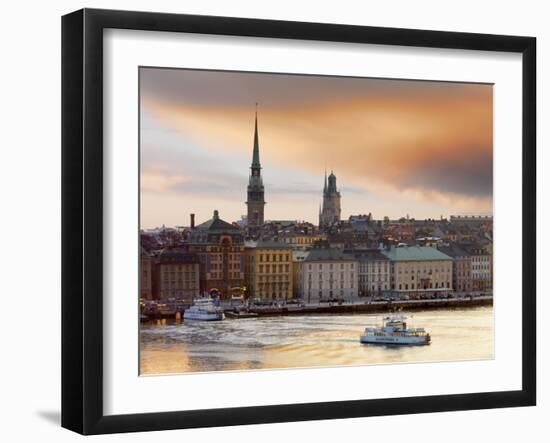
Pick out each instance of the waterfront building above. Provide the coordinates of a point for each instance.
(330, 210)
(176, 275)
(145, 275)
(298, 257)
(255, 192)
(374, 271)
(462, 266)
(328, 274)
(481, 267)
(268, 270)
(419, 270)
(220, 248)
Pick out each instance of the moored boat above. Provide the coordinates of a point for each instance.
(394, 331)
(203, 309)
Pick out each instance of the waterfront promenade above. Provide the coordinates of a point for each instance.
(345, 307)
(372, 306)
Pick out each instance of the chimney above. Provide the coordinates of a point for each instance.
(192, 221)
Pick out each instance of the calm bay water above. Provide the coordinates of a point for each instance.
(308, 341)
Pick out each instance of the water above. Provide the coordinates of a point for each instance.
(308, 341)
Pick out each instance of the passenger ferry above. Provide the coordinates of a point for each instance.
(395, 332)
(203, 309)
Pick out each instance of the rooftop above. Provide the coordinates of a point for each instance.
(260, 244)
(216, 224)
(415, 253)
(367, 254)
(328, 254)
(177, 256)
(453, 250)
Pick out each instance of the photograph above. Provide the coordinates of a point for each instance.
(299, 221)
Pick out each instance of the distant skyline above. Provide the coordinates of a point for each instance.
(397, 147)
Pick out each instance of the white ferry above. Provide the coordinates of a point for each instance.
(394, 331)
(203, 309)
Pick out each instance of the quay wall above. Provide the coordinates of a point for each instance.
(377, 307)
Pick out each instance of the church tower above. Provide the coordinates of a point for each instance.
(255, 191)
(330, 209)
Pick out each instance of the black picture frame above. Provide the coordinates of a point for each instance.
(82, 218)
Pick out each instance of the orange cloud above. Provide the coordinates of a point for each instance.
(438, 144)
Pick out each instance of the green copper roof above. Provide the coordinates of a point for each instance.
(415, 253)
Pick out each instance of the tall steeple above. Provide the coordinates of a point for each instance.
(256, 150)
(331, 209)
(255, 192)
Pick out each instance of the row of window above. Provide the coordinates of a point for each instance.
(274, 286)
(274, 268)
(423, 270)
(331, 276)
(173, 284)
(480, 258)
(219, 275)
(172, 268)
(330, 266)
(229, 266)
(367, 278)
(274, 257)
(179, 274)
(230, 257)
(273, 278)
(331, 285)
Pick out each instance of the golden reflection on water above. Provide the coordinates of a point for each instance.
(169, 347)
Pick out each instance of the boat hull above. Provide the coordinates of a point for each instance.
(203, 317)
(405, 341)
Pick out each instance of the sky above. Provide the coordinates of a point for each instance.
(397, 147)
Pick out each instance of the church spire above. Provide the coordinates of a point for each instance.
(256, 151)
(255, 192)
(325, 188)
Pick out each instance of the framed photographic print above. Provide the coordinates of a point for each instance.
(269, 221)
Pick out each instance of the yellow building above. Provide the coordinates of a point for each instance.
(420, 270)
(268, 270)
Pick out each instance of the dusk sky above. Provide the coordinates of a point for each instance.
(396, 147)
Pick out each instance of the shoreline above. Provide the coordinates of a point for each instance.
(348, 308)
(375, 307)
